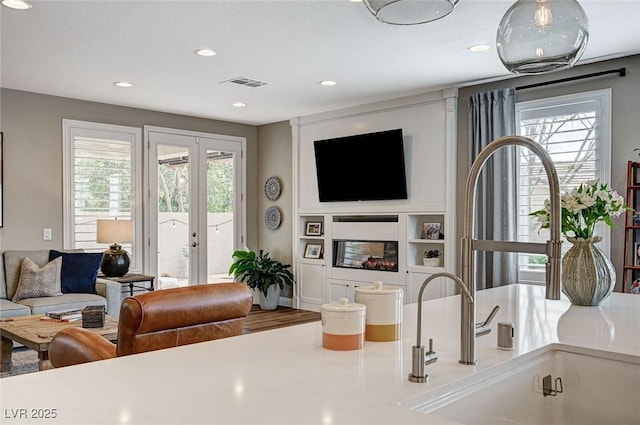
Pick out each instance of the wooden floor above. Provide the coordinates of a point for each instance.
(262, 320)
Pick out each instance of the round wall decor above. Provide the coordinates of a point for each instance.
(272, 188)
(272, 218)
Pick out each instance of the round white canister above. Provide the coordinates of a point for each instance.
(384, 311)
(343, 325)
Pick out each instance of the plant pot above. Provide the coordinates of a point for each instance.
(588, 277)
(269, 302)
(431, 262)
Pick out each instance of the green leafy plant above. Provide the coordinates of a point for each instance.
(432, 253)
(583, 208)
(260, 271)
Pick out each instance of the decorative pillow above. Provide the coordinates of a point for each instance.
(79, 271)
(35, 281)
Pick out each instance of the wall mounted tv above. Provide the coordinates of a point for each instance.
(365, 167)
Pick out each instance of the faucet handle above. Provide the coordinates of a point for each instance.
(430, 356)
(483, 328)
(430, 346)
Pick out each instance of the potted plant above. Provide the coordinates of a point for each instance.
(431, 258)
(263, 274)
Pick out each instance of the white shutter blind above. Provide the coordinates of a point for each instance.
(101, 179)
(571, 132)
(102, 186)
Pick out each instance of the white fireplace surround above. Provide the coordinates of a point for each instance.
(366, 228)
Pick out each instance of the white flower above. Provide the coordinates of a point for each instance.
(584, 207)
(570, 202)
(585, 199)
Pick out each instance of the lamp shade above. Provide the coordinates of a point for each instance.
(537, 36)
(115, 260)
(114, 231)
(409, 12)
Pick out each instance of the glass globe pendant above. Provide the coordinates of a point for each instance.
(537, 36)
(409, 12)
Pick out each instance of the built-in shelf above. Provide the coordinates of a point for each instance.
(320, 282)
(417, 245)
(425, 269)
(427, 241)
(314, 261)
(317, 238)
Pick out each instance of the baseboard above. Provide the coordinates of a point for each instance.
(285, 302)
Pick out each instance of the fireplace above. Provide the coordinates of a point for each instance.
(366, 255)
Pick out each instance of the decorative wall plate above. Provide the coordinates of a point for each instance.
(272, 188)
(272, 218)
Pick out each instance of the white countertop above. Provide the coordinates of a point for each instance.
(284, 376)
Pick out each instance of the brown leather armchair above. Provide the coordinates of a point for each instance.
(160, 319)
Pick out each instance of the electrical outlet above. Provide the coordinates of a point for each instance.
(46, 234)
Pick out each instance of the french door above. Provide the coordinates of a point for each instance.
(195, 212)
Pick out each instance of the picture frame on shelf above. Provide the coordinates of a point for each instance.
(313, 250)
(636, 254)
(313, 228)
(431, 231)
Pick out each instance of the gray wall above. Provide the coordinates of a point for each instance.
(274, 159)
(32, 126)
(625, 126)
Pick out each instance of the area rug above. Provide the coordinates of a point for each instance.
(25, 360)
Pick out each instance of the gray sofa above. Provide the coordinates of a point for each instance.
(108, 292)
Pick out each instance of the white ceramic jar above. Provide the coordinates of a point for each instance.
(343, 325)
(384, 311)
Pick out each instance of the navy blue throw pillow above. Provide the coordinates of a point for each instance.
(79, 271)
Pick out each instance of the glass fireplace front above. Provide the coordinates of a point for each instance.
(367, 255)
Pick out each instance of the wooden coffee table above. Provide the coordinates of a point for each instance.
(36, 334)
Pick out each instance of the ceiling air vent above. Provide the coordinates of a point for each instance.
(247, 82)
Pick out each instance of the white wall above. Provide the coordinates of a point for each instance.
(423, 120)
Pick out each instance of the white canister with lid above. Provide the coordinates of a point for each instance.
(384, 311)
(343, 325)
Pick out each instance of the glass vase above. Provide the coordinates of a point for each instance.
(588, 277)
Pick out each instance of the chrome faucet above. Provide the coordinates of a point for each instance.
(551, 248)
(420, 358)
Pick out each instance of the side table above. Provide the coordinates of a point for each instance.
(133, 280)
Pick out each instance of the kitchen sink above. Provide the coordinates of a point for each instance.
(558, 384)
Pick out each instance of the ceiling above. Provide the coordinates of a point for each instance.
(78, 49)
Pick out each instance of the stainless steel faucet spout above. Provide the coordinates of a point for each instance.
(419, 357)
(552, 248)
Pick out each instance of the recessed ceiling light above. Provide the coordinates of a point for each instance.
(123, 84)
(239, 104)
(479, 47)
(16, 4)
(205, 52)
(327, 83)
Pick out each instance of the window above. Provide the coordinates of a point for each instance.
(575, 130)
(101, 175)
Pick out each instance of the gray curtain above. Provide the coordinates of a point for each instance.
(492, 115)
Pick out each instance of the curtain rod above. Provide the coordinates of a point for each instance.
(622, 72)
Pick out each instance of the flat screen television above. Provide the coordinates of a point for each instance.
(365, 167)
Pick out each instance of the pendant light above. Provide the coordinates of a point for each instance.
(409, 12)
(537, 36)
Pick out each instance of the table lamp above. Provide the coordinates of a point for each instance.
(115, 261)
